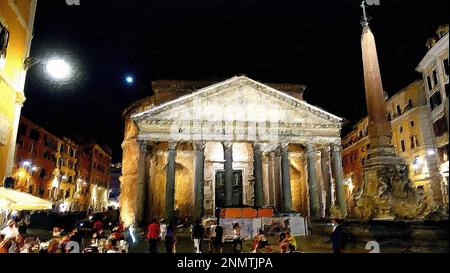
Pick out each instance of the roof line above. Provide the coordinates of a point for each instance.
(229, 80)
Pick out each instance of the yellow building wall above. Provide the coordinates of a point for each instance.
(17, 17)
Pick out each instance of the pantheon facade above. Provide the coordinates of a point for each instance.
(236, 143)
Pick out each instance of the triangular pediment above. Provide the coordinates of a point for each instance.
(239, 99)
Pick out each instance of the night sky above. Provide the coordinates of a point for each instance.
(316, 43)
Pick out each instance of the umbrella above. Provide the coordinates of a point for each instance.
(15, 200)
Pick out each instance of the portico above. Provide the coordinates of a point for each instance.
(233, 144)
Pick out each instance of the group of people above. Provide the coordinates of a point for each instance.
(12, 238)
(161, 231)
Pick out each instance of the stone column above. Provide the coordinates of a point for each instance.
(141, 183)
(286, 179)
(199, 174)
(228, 166)
(271, 177)
(312, 181)
(170, 181)
(326, 175)
(338, 174)
(277, 180)
(257, 170)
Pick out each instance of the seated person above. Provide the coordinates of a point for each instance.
(288, 244)
(237, 240)
(260, 241)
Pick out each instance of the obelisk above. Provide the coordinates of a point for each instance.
(386, 181)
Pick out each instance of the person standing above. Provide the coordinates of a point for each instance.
(337, 237)
(218, 239)
(153, 235)
(169, 239)
(197, 235)
(212, 235)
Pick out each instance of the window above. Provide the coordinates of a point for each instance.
(430, 84)
(413, 141)
(409, 106)
(389, 116)
(446, 90)
(411, 123)
(400, 129)
(399, 110)
(440, 126)
(43, 173)
(402, 145)
(435, 100)
(4, 39)
(34, 134)
(435, 78)
(445, 61)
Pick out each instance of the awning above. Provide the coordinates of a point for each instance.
(15, 200)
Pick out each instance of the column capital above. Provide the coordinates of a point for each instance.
(311, 149)
(336, 148)
(227, 144)
(325, 149)
(144, 146)
(256, 147)
(172, 145)
(199, 145)
(284, 147)
(277, 152)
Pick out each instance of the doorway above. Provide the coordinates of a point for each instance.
(237, 189)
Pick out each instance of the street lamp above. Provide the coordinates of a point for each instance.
(56, 67)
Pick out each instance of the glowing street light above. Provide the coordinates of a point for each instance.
(58, 69)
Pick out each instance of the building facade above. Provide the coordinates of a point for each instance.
(67, 174)
(412, 138)
(99, 177)
(435, 71)
(73, 176)
(16, 32)
(37, 157)
(237, 143)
